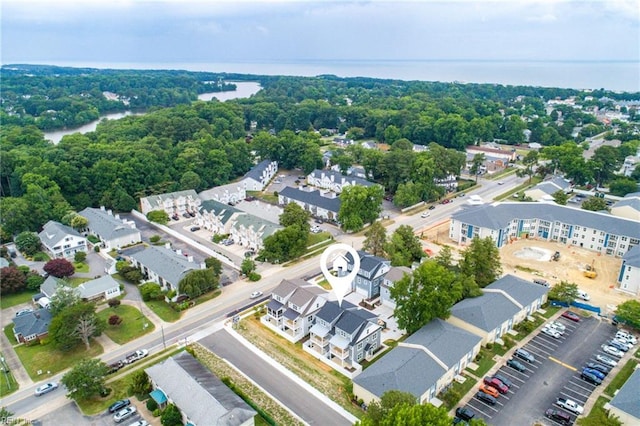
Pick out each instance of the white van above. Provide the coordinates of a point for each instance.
(583, 295)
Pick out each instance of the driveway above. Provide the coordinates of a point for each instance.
(312, 410)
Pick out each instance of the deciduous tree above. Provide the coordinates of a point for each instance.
(360, 205)
(63, 297)
(401, 409)
(198, 282)
(215, 264)
(428, 293)
(59, 268)
(171, 416)
(28, 243)
(481, 261)
(12, 280)
(595, 204)
(375, 239)
(564, 291)
(86, 379)
(74, 324)
(560, 197)
(629, 312)
(404, 247)
(293, 214)
(476, 164)
(158, 216)
(247, 266)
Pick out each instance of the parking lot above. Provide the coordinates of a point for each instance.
(555, 373)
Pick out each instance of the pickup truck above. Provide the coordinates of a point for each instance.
(137, 355)
(570, 405)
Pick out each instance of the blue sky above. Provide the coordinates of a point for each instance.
(228, 31)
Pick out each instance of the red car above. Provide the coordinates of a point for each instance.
(571, 316)
(496, 383)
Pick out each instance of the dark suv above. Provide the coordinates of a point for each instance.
(464, 413)
(558, 416)
(119, 405)
(486, 398)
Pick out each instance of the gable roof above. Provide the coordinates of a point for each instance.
(633, 202)
(224, 211)
(446, 341)
(158, 199)
(256, 171)
(352, 320)
(106, 225)
(53, 232)
(331, 310)
(98, 286)
(261, 227)
(500, 215)
(627, 399)
(285, 288)
(165, 263)
(523, 291)
(32, 323)
(406, 369)
(396, 273)
(546, 187)
(632, 257)
(485, 312)
(51, 284)
(339, 177)
(312, 198)
(368, 262)
(200, 395)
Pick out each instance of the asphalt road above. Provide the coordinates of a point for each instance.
(311, 409)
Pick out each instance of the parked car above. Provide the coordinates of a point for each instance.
(625, 336)
(599, 374)
(590, 378)
(256, 294)
(119, 405)
(504, 379)
(187, 215)
(465, 413)
(501, 183)
(192, 214)
(606, 360)
(194, 228)
(496, 383)
(599, 367)
(522, 354)
(24, 311)
(489, 390)
(612, 351)
(550, 331)
(486, 398)
(558, 416)
(425, 214)
(557, 326)
(516, 365)
(249, 253)
(571, 316)
(175, 216)
(431, 207)
(46, 388)
(124, 414)
(140, 423)
(618, 345)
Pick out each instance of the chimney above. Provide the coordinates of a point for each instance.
(117, 216)
(178, 251)
(102, 208)
(190, 258)
(110, 212)
(167, 246)
(203, 265)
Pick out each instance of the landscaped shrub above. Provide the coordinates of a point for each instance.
(152, 405)
(80, 256)
(150, 291)
(254, 276)
(96, 249)
(40, 257)
(154, 239)
(114, 303)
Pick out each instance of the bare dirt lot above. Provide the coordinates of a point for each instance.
(536, 256)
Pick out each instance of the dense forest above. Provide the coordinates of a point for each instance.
(185, 144)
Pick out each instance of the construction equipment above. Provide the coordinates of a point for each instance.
(556, 256)
(591, 270)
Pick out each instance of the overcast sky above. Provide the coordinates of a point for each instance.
(228, 31)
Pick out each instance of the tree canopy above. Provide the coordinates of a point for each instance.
(563, 292)
(86, 379)
(74, 324)
(401, 408)
(359, 205)
(404, 247)
(481, 260)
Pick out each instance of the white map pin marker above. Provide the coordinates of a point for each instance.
(340, 285)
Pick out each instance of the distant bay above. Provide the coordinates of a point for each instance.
(610, 75)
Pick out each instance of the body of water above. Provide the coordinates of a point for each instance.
(243, 90)
(610, 75)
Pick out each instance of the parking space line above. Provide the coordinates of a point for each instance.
(547, 340)
(506, 373)
(486, 405)
(480, 411)
(581, 384)
(575, 392)
(563, 364)
(532, 346)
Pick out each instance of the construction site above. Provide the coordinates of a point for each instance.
(532, 259)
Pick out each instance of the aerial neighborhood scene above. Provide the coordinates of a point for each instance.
(206, 220)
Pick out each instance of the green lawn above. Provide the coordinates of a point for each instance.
(621, 377)
(317, 238)
(550, 311)
(163, 310)
(134, 324)
(8, 300)
(8, 331)
(484, 363)
(81, 267)
(76, 281)
(45, 358)
(8, 384)
(458, 390)
(534, 181)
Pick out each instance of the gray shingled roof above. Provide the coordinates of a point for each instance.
(262, 227)
(632, 257)
(98, 286)
(158, 199)
(198, 393)
(485, 312)
(312, 198)
(224, 211)
(338, 177)
(50, 285)
(633, 202)
(106, 225)
(256, 172)
(499, 215)
(352, 320)
(165, 262)
(546, 187)
(285, 288)
(446, 341)
(404, 369)
(368, 262)
(525, 292)
(628, 398)
(396, 273)
(36, 322)
(331, 310)
(53, 232)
